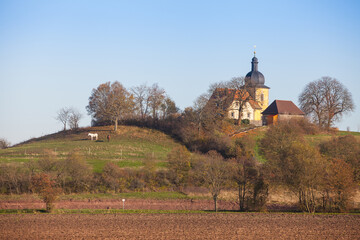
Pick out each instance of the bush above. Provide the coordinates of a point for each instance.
(14, 179)
(339, 187)
(45, 187)
(245, 121)
(306, 127)
(114, 178)
(346, 148)
(293, 163)
(179, 166)
(74, 174)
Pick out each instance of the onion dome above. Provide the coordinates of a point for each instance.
(255, 78)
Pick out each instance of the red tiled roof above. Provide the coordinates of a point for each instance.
(254, 104)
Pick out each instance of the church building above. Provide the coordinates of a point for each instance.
(255, 94)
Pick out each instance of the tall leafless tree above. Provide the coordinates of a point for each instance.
(240, 90)
(198, 110)
(325, 101)
(214, 173)
(63, 116)
(74, 118)
(157, 97)
(141, 100)
(244, 92)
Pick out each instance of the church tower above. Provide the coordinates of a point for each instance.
(255, 82)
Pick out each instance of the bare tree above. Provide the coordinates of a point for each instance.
(74, 118)
(214, 173)
(63, 116)
(141, 99)
(325, 101)
(244, 91)
(157, 97)
(198, 110)
(240, 90)
(110, 102)
(244, 173)
(4, 143)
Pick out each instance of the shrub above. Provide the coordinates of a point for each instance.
(179, 166)
(114, 178)
(73, 173)
(346, 148)
(45, 188)
(305, 126)
(293, 163)
(245, 121)
(339, 186)
(14, 179)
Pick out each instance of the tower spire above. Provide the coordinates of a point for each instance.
(254, 62)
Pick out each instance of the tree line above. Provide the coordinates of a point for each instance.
(112, 102)
(324, 177)
(205, 125)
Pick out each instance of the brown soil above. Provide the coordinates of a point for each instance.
(179, 226)
(118, 204)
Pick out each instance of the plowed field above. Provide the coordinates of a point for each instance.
(179, 226)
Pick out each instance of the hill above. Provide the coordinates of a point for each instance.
(129, 147)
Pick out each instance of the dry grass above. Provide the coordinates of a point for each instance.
(128, 147)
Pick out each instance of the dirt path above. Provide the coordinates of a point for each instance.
(179, 226)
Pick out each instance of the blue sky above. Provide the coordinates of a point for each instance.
(53, 53)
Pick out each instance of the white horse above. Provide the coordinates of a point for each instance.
(93, 135)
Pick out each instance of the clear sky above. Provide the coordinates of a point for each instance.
(53, 53)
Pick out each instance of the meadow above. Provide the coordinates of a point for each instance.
(128, 147)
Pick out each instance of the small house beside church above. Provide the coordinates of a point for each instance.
(280, 110)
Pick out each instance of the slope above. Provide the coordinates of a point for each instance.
(129, 147)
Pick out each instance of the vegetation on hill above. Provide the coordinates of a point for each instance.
(130, 146)
(142, 155)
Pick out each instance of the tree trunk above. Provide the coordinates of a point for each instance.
(239, 119)
(242, 192)
(240, 110)
(116, 124)
(215, 202)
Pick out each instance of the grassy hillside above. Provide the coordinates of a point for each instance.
(129, 147)
(317, 139)
(314, 140)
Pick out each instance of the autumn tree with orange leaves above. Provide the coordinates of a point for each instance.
(110, 102)
(45, 187)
